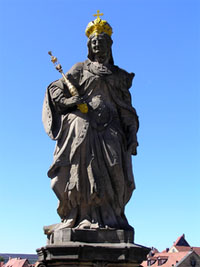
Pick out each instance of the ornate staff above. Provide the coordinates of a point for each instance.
(72, 89)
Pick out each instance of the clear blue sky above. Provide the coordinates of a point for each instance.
(159, 40)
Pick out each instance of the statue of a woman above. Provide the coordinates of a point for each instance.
(92, 171)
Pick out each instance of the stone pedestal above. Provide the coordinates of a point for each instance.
(99, 248)
(64, 236)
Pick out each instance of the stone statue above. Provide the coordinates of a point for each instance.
(91, 173)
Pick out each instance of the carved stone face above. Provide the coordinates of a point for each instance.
(99, 48)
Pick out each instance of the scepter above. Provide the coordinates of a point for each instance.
(72, 89)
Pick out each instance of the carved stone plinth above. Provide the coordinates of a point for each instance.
(90, 236)
(93, 254)
(100, 248)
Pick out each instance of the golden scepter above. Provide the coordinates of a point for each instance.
(72, 89)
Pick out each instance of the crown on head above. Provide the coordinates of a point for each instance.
(98, 26)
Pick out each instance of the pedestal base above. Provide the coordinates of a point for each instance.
(92, 248)
(93, 254)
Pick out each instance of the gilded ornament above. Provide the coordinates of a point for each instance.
(98, 26)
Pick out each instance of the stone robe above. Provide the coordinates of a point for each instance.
(92, 164)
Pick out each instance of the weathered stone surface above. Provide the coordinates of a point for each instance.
(91, 173)
(89, 254)
(62, 236)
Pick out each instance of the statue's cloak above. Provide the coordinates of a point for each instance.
(94, 145)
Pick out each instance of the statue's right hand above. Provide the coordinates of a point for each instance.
(72, 101)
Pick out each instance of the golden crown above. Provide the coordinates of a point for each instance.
(98, 26)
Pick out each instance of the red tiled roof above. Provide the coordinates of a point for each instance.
(196, 249)
(15, 262)
(180, 241)
(171, 258)
(154, 250)
(165, 250)
(182, 248)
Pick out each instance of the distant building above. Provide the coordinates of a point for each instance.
(182, 245)
(17, 262)
(181, 254)
(32, 258)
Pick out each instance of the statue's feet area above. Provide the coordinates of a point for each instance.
(60, 234)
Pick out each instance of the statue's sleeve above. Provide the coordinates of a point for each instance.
(54, 106)
(59, 90)
(74, 75)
